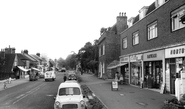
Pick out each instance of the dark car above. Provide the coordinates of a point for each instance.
(72, 77)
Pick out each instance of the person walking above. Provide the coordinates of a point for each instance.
(65, 77)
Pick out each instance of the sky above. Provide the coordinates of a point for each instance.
(57, 28)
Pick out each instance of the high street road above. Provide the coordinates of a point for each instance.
(31, 94)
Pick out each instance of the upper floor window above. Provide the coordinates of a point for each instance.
(176, 18)
(136, 38)
(124, 42)
(104, 49)
(152, 31)
(99, 51)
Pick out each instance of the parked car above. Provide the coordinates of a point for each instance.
(69, 96)
(49, 75)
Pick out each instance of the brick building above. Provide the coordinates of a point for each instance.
(153, 46)
(109, 44)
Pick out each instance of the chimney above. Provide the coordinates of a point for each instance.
(142, 12)
(38, 54)
(121, 23)
(26, 51)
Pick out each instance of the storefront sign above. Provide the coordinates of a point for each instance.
(152, 56)
(136, 58)
(124, 59)
(175, 52)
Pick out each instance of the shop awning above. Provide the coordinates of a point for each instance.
(122, 64)
(23, 69)
(113, 64)
(35, 69)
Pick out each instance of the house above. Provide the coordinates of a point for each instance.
(153, 46)
(109, 45)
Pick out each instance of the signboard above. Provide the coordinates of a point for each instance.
(162, 88)
(136, 58)
(114, 85)
(175, 52)
(124, 59)
(152, 56)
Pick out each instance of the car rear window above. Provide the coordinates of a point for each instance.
(69, 91)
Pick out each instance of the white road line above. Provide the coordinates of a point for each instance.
(20, 97)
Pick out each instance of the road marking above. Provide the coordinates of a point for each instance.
(49, 95)
(122, 94)
(20, 97)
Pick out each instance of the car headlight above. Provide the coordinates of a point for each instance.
(82, 103)
(57, 103)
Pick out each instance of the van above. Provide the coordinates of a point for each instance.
(50, 75)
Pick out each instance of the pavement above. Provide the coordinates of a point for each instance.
(14, 82)
(127, 96)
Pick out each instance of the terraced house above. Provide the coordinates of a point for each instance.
(109, 45)
(153, 46)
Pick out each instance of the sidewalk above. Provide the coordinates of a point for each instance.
(13, 83)
(127, 96)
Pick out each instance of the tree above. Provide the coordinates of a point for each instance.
(61, 63)
(88, 56)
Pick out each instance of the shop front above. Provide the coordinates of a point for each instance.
(153, 69)
(136, 69)
(174, 58)
(124, 68)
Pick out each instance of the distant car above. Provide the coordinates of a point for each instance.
(69, 96)
(72, 77)
(63, 70)
(49, 75)
(41, 74)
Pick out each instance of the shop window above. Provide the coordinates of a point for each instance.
(176, 18)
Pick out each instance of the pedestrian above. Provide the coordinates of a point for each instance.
(5, 85)
(65, 77)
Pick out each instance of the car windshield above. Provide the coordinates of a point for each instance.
(69, 91)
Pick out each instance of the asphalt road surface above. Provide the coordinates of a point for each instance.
(31, 95)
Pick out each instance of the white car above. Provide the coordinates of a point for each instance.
(69, 96)
(49, 75)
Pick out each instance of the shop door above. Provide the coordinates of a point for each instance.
(172, 78)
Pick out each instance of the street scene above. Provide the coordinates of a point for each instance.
(72, 55)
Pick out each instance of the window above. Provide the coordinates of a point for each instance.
(135, 38)
(124, 43)
(103, 49)
(99, 51)
(152, 31)
(176, 18)
(69, 91)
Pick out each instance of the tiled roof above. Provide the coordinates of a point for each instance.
(151, 8)
(30, 58)
(136, 19)
(36, 57)
(8, 63)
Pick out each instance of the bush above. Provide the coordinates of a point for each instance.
(94, 103)
(173, 104)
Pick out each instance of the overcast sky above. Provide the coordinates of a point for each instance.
(56, 27)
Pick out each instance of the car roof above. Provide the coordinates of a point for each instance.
(69, 84)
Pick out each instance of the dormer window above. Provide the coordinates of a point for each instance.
(160, 2)
(130, 21)
(142, 12)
